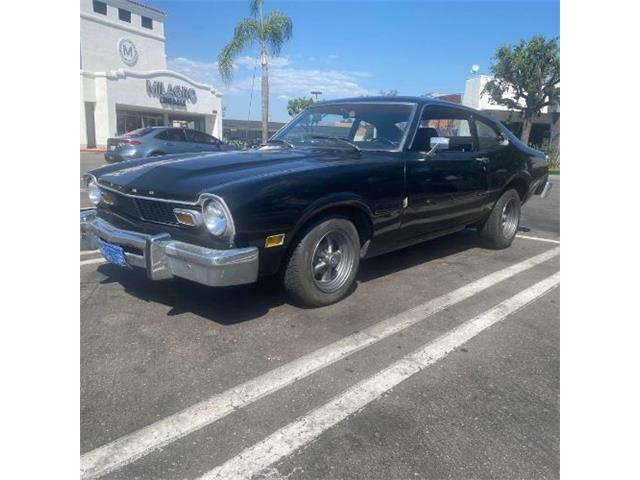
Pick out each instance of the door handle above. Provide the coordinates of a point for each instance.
(483, 160)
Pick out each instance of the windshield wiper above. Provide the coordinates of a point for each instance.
(281, 142)
(337, 139)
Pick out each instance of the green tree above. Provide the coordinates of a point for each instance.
(296, 105)
(269, 33)
(526, 78)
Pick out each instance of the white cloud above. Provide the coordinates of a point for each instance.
(250, 62)
(284, 78)
(332, 57)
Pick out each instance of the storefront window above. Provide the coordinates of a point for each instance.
(128, 121)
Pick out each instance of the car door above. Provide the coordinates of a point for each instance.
(203, 142)
(494, 152)
(194, 141)
(445, 188)
(172, 140)
(209, 143)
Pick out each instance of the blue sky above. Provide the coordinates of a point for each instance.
(351, 48)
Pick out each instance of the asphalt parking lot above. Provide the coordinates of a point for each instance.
(443, 363)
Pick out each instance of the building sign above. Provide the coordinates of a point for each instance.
(128, 52)
(171, 94)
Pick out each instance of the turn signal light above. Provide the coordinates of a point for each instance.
(190, 218)
(274, 240)
(107, 198)
(185, 219)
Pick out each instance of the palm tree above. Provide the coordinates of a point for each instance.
(270, 32)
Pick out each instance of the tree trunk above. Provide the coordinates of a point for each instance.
(265, 95)
(527, 123)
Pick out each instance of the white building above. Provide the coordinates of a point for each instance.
(124, 81)
(546, 127)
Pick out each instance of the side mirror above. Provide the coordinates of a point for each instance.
(438, 143)
(503, 141)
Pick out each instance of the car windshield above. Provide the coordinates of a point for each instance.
(362, 126)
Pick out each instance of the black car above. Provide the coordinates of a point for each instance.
(344, 180)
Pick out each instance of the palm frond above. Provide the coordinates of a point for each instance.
(277, 28)
(255, 7)
(245, 33)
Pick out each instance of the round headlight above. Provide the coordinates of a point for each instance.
(93, 191)
(214, 218)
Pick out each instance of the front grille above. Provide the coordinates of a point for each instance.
(160, 212)
(143, 209)
(125, 205)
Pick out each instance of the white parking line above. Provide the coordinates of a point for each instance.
(539, 239)
(309, 427)
(88, 252)
(92, 261)
(135, 445)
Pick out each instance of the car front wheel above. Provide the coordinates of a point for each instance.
(499, 230)
(323, 264)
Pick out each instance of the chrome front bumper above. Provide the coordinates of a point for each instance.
(162, 257)
(544, 191)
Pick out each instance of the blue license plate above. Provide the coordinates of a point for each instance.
(113, 253)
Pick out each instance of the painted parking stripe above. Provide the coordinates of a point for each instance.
(309, 427)
(539, 239)
(137, 444)
(88, 252)
(92, 261)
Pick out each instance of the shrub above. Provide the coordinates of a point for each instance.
(554, 159)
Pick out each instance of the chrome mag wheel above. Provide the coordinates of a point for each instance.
(332, 261)
(510, 219)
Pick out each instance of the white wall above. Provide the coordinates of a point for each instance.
(128, 89)
(100, 34)
(474, 98)
(112, 84)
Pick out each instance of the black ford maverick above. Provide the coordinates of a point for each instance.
(344, 180)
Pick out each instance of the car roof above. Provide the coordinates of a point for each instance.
(388, 99)
(420, 101)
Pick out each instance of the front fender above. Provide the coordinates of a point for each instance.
(331, 201)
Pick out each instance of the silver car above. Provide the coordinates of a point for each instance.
(155, 141)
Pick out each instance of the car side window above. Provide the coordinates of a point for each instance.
(175, 135)
(171, 135)
(200, 137)
(444, 122)
(488, 136)
(192, 136)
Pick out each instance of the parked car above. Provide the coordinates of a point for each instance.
(343, 181)
(156, 141)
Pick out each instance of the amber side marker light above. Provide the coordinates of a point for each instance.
(274, 240)
(189, 218)
(107, 198)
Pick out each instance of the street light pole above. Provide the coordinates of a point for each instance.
(316, 93)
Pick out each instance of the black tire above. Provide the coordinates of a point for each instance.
(499, 230)
(156, 154)
(329, 242)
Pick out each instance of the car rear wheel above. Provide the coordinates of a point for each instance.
(499, 230)
(323, 264)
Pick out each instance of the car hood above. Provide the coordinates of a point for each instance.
(185, 177)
